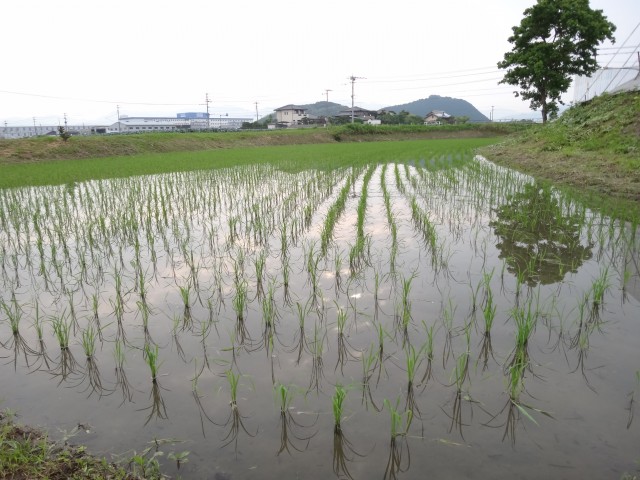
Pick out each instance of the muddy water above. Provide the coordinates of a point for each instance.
(116, 257)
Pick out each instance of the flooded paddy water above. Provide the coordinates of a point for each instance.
(443, 317)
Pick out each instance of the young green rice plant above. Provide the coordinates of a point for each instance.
(151, 358)
(344, 348)
(122, 382)
(461, 371)
(405, 317)
(337, 403)
(448, 314)
(240, 300)
(288, 425)
(369, 365)
(62, 330)
(95, 306)
(333, 214)
(14, 315)
(632, 396)
(316, 348)
(599, 287)
(300, 340)
(488, 312)
(89, 336)
(286, 273)
(234, 380)
(39, 327)
(428, 353)
(235, 423)
(259, 264)
(269, 315)
(525, 320)
(185, 295)
(284, 240)
(400, 422)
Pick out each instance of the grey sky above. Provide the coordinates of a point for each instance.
(157, 57)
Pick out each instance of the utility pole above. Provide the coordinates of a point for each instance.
(492, 113)
(118, 112)
(256, 111)
(327, 93)
(353, 81)
(35, 129)
(65, 121)
(207, 102)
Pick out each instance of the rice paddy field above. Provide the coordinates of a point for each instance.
(403, 315)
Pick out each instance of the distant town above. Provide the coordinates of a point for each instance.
(288, 116)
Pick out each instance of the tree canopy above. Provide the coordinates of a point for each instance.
(555, 40)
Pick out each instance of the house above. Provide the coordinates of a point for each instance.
(437, 117)
(358, 112)
(290, 115)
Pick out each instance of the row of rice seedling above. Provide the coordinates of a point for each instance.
(213, 271)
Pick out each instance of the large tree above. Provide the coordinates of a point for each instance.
(555, 40)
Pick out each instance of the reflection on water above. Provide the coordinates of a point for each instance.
(539, 239)
(490, 310)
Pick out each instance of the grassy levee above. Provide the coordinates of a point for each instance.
(286, 157)
(593, 147)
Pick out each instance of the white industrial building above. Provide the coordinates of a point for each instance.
(126, 124)
(8, 131)
(167, 124)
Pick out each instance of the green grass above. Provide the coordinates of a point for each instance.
(593, 147)
(28, 453)
(287, 157)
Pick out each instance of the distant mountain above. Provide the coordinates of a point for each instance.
(453, 106)
(324, 109)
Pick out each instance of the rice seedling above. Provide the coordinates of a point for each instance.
(413, 359)
(398, 449)
(428, 353)
(19, 344)
(240, 300)
(337, 403)
(259, 264)
(157, 409)
(233, 380)
(289, 426)
(122, 382)
(185, 295)
(599, 287)
(333, 214)
(61, 330)
(89, 341)
(448, 314)
(316, 349)
(405, 305)
(632, 396)
(343, 453)
(151, 359)
(344, 349)
(400, 422)
(235, 421)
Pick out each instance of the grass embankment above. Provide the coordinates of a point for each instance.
(287, 157)
(27, 453)
(53, 148)
(593, 147)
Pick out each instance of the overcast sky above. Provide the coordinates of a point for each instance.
(157, 57)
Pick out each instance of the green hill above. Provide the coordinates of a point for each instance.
(453, 106)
